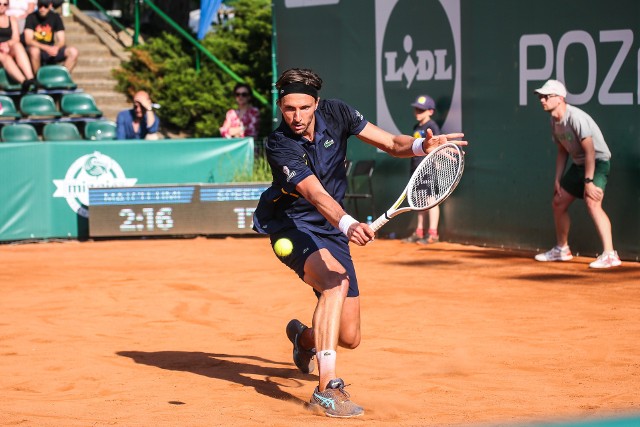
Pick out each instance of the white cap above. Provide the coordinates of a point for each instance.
(552, 87)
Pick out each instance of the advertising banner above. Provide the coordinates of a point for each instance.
(45, 191)
(481, 60)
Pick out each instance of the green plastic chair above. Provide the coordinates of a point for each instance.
(8, 108)
(55, 77)
(61, 131)
(79, 104)
(38, 105)
(7, 83)
(19, 132)
(100, 130)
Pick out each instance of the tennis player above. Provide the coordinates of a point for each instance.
(307, 155)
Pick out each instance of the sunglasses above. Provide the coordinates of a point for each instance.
(44, 5)
(545, 97)
(243, 94)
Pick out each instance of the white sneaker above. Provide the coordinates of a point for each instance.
(555, 254)
(606, 260)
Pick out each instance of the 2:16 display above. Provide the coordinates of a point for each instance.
(147, 220)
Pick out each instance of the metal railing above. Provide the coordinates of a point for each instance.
(113, 21)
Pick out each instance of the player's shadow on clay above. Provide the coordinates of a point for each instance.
(424, 263)
(223, 366)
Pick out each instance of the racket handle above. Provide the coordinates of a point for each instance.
(378, 223)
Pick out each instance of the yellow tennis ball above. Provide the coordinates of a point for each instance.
(283, 247)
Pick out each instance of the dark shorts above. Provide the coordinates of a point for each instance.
(306, 242)
(573, 179)
(46, 59)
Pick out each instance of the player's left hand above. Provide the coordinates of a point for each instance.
(431, 142)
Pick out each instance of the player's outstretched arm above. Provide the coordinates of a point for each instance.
(403, 145)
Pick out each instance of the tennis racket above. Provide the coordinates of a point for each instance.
(432, 182)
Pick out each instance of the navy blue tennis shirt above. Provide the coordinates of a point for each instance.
(293, 158)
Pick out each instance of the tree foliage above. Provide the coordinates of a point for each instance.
(195, 102)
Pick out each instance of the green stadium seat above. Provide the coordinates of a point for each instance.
(8, 108)
(19, 132)
(55, 77)
(7, 83)
(79, 104)
(100, 130)
(38, 105)
(61, 131)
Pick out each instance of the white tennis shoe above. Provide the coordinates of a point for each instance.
(606, 260)
(555, 254)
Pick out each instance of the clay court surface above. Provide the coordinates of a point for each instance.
(190, 332)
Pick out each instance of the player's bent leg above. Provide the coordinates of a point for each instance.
(329, 278)
(350, 323)
(303, 352)
(329, 270)
(326, 323)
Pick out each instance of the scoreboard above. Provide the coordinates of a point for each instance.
(156, 210)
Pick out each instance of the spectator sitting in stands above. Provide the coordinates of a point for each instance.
(244, 120)
(140, 122)
(45, 38)
(13, 57)
(20, 9)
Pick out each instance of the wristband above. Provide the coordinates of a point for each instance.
(417, 147)
(345, 222)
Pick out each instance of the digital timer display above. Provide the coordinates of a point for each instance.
(148, 219)
(201, 209)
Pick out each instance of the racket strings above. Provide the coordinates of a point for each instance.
(434, 179)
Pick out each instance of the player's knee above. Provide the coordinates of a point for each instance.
(350, 339)
(335, 287)
(341, 285)
(352, 343)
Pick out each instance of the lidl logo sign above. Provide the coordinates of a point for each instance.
(417, 53)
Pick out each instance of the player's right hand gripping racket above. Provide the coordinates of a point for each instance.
(432, 182)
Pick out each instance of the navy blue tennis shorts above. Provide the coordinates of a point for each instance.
(306, 242)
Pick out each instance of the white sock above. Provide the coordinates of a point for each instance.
(326, 359)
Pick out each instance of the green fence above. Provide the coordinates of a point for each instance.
(480, 60)
(45, 186)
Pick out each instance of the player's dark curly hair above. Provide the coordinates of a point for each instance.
(299, 75)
